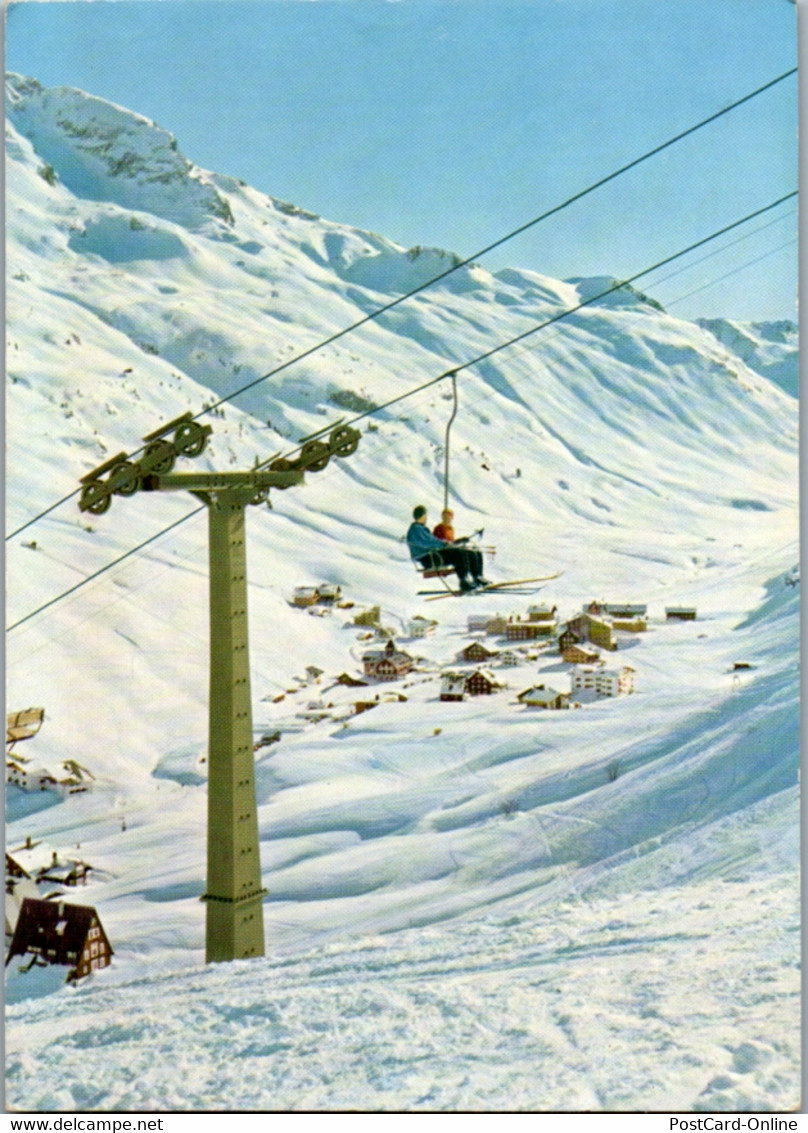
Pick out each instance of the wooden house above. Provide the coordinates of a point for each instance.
(476, 652)
(55, 932)
(496, 626)
(567, 638)
(453, 686)
(387, 664)
(420, 627)
(482, 682)
(507, 658)
(518, 630)
(540, 696)
(680, 613)
(41, 862)
(590, 628)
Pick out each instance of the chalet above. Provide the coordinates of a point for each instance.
(420, 627)
(477, 623)
(542, 697)
(541, 612)
(55, 932)
(453, 686)
(567, 638)
(496, 626)
(482, 682)
(590, 628)
(580, 655)
(508, 658)
(680, 613)
(476, 652)
(41, 862)
(387, 664)
(313, 674)
(328, 594)
(518, 630)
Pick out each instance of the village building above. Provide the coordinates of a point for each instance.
(593, 629)
(507, 658)
(625, 609)
(541, 696)
(69, 778)
(39, 861)
(680, 613)
(55, 932)
(541, 612)
(313, 674)
(476, 652)
(496, 626)
(304, 596)
(476, 623)
(580, 655)
(482, 682)
(568, 638)
(387, 664)
(420, 626)
(453, 686)
(630, 625)
(601, 681)
(518, 630)
(615, 682)
(368, 617)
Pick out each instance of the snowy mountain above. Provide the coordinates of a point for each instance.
(459, 894)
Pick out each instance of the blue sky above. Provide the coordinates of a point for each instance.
(450, 122)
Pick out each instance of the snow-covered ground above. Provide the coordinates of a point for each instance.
(470, 905)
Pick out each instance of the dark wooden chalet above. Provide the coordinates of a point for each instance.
(55, 932)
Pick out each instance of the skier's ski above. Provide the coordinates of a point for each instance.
(491, 588)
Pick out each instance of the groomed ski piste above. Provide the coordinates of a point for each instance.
(472, 905)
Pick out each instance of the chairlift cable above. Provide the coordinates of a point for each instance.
(433, 381)
(442, 275)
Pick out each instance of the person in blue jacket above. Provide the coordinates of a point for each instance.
(432, 552)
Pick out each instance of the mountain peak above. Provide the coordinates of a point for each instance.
(103, 152)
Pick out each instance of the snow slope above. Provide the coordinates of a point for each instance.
(459, 894)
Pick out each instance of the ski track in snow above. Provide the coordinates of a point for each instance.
(472, 906)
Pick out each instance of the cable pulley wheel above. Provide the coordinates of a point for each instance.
(190, 438)
(282, 465)
(95, 497)
(159, 457)
(344, 440)
(314, 456)
(125, 478)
